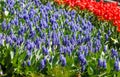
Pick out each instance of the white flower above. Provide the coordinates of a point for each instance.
(1, 73)
(103, 53)
(114, 40)
(119, 65)
(6, 13)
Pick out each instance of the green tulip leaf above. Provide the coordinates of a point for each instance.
(90, 70)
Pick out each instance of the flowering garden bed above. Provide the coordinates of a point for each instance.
(47, 39)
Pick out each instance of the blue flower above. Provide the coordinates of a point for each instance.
(22, 30)
(74, 36)
(43, 24)
(49, 6)
(72, 41)
(117, 65)
(4, 26)
(35, 20)
(114, 53)
(90, 46)
(42, 35)
(1, 42)
(29, 63)
(55, 39)
(66, 41)
(37, 42)
(29, 45)
(56, 15)
(69, 51)
(87, 38)
(99, 35)
(81, 48)
(102, 63)
(47, 43)
(45, 51)
(97, 44)
(8, 26)
(30, 24)
(79, 41)
(85, 50)
(78, 19)
(37, 3)
(73, 28)
(109, 32)
(19, 41)
(13, 37)
(32, 34)
(84, 25)
(82, 59)
(29, 53)
(12, 22)
(26, 17)
(31, 13)
(38, 28)
(83, 68)
(9, 40)
(73, 14)
(42, 64)
(45, 60)
(61, 49)
(63, 60)
(67, 22)
(10, 3)
(1, 36)
(42, 12)
(106, 37)
(72, 47)
(54, 26)
(105, 48)
(52, 20)
(16, 21)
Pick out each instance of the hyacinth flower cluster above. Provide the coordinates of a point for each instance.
(109, 11)
(38, 35)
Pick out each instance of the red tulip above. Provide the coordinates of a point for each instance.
(104, 10)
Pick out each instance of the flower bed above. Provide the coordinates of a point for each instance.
(48, 40)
